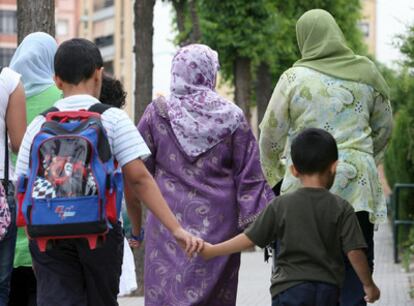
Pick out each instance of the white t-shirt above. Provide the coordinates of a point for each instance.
(8, 83)
(126, 142)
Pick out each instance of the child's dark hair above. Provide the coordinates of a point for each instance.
(313, 151)
(112, 92)
(76, 60)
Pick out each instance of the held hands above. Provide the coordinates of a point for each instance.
(188, 242)
(136, 237)
(134, 243)
(372, 293)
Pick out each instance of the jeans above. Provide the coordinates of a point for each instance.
(308, 294)
(7, 246)
(352, 293)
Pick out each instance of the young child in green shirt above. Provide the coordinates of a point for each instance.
(314, 228)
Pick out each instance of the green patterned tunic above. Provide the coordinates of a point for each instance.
(357, 116)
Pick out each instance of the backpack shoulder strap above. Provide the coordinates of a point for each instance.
(99, 108)
(104, 147)
(49, 110)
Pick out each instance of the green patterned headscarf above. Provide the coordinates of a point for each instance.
(323, 48)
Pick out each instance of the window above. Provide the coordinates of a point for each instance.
(8, 22)
(364, 27)
(101, 4)
(62, 27)
(5, 56)
(104, 41)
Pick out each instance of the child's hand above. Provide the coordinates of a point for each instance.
(207, 251)
(136, 238)
(372, 293)
(188, 242)
(134, 243)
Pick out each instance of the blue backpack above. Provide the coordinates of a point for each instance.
(73, 188)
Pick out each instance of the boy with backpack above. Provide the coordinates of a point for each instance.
(313, 227)
(68, 156)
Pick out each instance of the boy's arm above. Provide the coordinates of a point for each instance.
(143, 185)
(360, 264)
(234, 245)
(134, 210)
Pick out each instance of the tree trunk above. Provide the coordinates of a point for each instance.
(264, 89)
(144, 31)
(179, 7)
(35, 16)
(242, 81)
(195, 35)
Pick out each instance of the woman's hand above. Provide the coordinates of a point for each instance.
(188, 242)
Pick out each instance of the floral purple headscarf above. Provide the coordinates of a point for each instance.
(199, 117)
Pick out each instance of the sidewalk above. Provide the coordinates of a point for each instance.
(390, 278)
(254, 277)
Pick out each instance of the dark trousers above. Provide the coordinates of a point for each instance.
(7, 246)
(308, 294)
(352, 293)
(70, 274)
(23, 287)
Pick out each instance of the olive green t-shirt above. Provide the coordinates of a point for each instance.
(314, 228)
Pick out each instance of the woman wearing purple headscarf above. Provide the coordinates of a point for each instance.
(205, 160)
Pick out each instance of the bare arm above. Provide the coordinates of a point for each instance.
(133, 206)
(16, 117)
(143, 185)
(134, 210)
(234, 245)
(360, 264)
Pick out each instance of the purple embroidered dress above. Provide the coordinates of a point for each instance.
(205, 160)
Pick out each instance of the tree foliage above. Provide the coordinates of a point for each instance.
(265, 30)
(347, 13)
(238, 28)
(399, 158)
(261, 32)
(407, 46)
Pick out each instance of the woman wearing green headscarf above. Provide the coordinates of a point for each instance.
(332, 88)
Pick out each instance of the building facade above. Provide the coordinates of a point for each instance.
(67, 24)
(8, 30)
(368, 24)
(109, 23)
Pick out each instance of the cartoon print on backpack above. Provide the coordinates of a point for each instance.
(63, 175)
